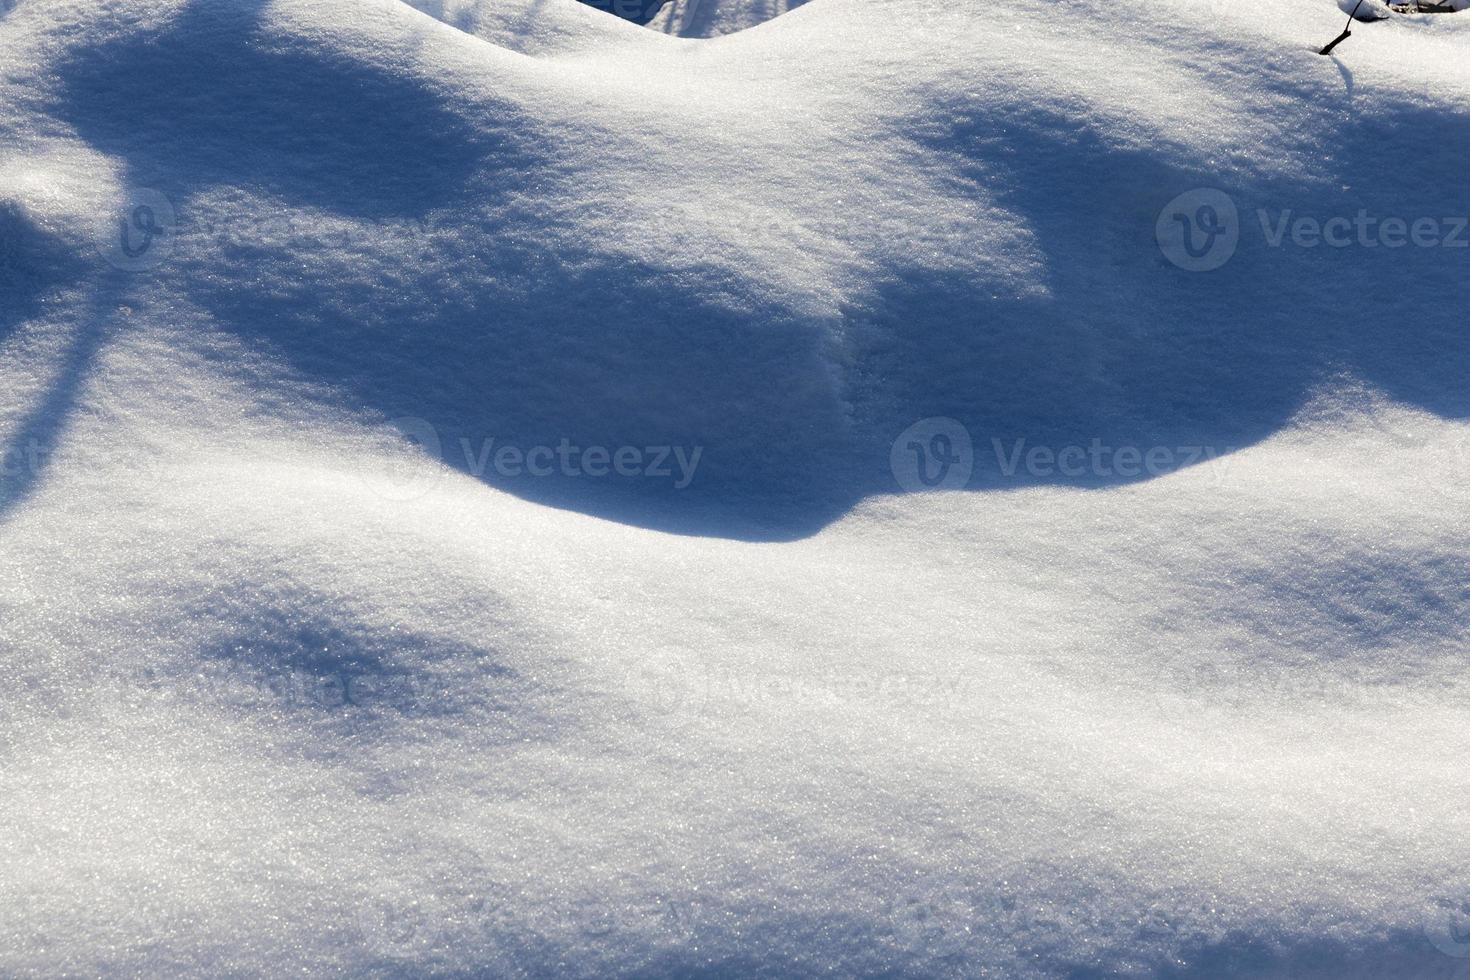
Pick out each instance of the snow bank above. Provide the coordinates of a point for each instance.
(453, 496)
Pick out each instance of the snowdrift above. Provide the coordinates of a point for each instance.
(455, 506)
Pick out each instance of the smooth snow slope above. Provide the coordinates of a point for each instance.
(294, 683)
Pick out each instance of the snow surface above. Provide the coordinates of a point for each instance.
(295, 684)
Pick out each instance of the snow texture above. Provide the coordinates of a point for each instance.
(305, 670)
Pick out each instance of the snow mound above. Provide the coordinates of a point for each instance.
(455, 490)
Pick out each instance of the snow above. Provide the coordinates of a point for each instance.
(303, 675)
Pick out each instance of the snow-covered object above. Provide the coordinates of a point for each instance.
(1367, 10)
(1371, 10)
(302, 675)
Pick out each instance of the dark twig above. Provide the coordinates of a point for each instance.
(1347, 31)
